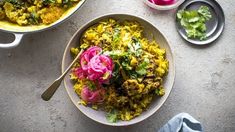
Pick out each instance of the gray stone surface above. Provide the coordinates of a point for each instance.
(204, 85)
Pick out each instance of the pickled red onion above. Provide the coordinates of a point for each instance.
(100, 68)
(90, 96)
(87, 55)
(162, 2)
(95, 66)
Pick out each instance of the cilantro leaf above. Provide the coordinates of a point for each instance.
(115, 54)
(179, 14)
(112, 116)
(141, 69)
(135, 47)
(194, 21)
(126, 65)
(115, 73)
(116, 35)
(204, 11)
(34, 18)
(116, 38)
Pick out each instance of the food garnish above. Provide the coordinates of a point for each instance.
(119, 71)
(163, 2)
(194, 22)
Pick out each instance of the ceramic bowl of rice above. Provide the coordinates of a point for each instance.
(126, 70)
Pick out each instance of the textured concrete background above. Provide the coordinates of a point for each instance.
(204, 85)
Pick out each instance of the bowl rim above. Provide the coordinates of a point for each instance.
(164, 7)
(150, 113)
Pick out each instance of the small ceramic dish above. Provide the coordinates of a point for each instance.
(214, 26)
(99, 115)
(164, 7)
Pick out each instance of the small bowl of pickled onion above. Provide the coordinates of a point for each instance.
(164, 4)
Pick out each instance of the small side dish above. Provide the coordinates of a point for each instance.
(203, 21)
(120, 70)
(34, 12)
(163, 2)
(194, 22)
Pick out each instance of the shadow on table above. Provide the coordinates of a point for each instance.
(6, 37)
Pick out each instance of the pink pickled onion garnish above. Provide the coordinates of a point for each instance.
(90, 96)
(94, 66)
(79, 73)
(163, 2)
(87, 55)
(100, 68)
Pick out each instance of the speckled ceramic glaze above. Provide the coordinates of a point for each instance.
(149, 31)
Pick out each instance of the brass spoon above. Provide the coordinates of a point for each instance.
(54, 86)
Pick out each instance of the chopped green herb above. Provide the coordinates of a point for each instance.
(112, 116)
(91, 85)
(194, 21)
(116, 35)
(47, 2)
(116, 70)
(133, 74)
(115, 54)
(204, 11)
(135, 47)
(142, 68)
(16, 3)
(116, 76)
(34, 18)
(126, 65)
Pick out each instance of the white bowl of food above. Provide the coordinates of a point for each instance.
(125, 73)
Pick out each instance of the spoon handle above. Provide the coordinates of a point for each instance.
(54, 86)
(51, 90)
